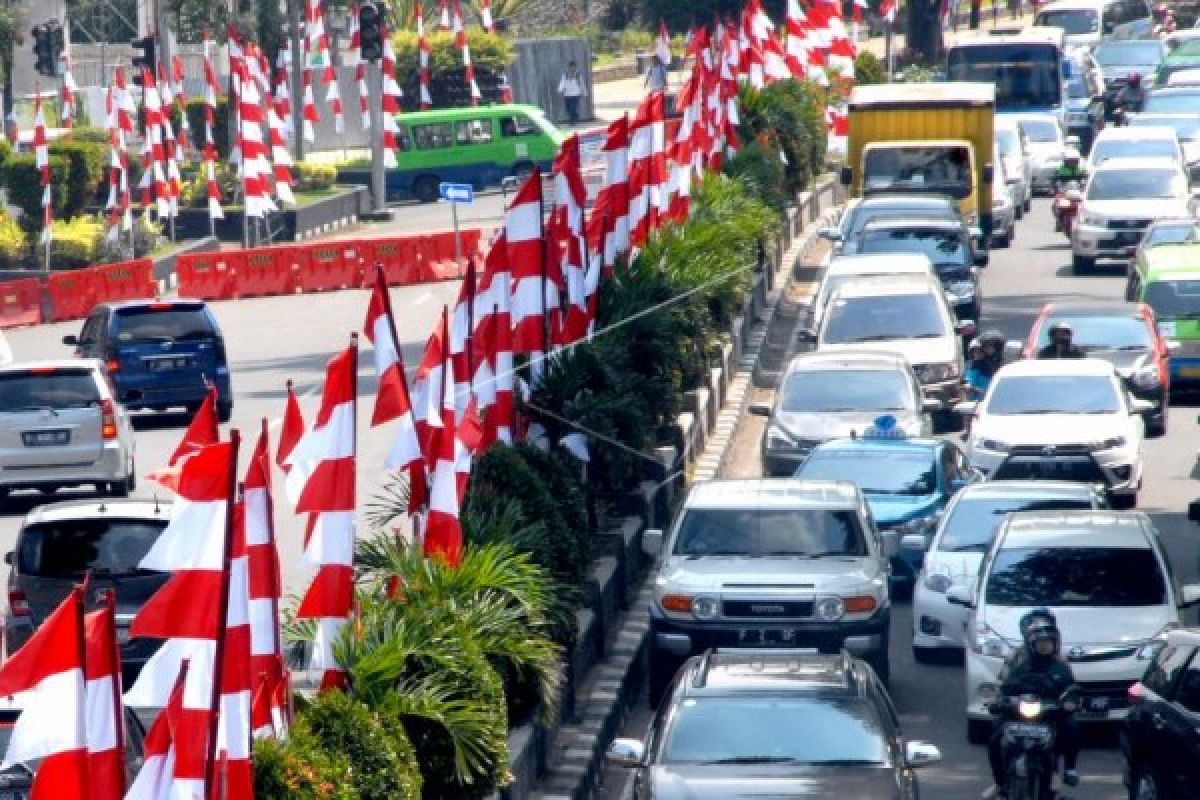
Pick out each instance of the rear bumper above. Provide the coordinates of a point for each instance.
(112, 466)
(683, 639)
(186, 390)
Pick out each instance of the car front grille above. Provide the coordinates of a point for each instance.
(768, 609)
(1046, 450)
(1128, 224)
(1091, 655)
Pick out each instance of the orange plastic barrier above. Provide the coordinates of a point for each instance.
(267, 271)
(401, 258)
(126, 280)
(20, 303)
(331, 265)
(72, 294)
(209, 276)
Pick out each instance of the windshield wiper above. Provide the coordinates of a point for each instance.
(846, 762)
(970, 548)
(879, 337)
(23, 409)
(755, 760)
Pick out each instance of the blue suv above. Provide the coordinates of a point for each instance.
(159, 354)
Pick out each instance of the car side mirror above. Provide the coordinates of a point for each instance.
(919, 754)
(830, 233)
(960, 596)
(1140, 406)
(652, 540)
(913, 541)
(929, 405)
(71, 339)
(629, 753)
(846, 175)
(966, 408)
(981, 258)
(1189, 595)
(760, 409)
(1194, 511)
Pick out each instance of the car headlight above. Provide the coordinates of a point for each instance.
(933, 373)
(705, 607)
(995, 445)
(777, 437)
(1029, 709)
(829, 609)
(1108, 444)
(1146, 377)
(1094, 221)
(960, 290)
(938, 579)
(987, 642)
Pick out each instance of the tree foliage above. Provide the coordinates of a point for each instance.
(490, 55)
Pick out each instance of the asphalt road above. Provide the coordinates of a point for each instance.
(268, 340)
(930, 699)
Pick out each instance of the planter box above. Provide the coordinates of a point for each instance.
(339, 210)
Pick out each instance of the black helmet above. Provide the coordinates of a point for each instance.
(1037, 625)
(1060, 326)
(992, 337)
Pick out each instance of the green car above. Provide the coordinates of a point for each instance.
(1167, 278)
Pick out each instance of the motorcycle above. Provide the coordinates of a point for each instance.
(1067, 200)
(1028, 739)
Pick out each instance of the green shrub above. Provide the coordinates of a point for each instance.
(490, 55)
(759, 167)
(6, 151)
(88, 167)
(76, 242)
(83, 133)
(631, 40)
(298, 768)
(869, 69)
(682, 16)
(23, 182)
(314, 177)
(195, 115)
(13, 242)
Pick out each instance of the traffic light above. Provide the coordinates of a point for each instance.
(48, 44)
(145, 60)
(370, 32)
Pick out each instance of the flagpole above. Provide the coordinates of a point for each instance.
(114, 653)
(468, 346)
(210, 769)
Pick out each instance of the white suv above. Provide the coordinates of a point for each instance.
(1104, 575)
(769, 563)
(1061, 419)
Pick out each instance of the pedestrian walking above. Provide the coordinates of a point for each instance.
(572, 89)
(656, 75)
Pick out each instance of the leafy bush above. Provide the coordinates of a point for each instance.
(195, 115)
(787, 116)
(6, 151)
(76, 242)
(869, 69)
(759, 167)
(82, 133)
(314, 177)
(88, 167)
(490, 55)
(193, 191)
(24, 184)
(682, 16)
(13, 243)
(298, 768)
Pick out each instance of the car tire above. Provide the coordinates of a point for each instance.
(979, 731)
(1157, 426)
(881, 663)
(1124, 502)
(426, 189)
(1081, 265)
(224, 412)
(1145, 786)
(1000, 242)
(131, 478)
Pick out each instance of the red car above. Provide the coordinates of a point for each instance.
(1123, 334)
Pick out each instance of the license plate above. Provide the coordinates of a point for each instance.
(1132, 237)
(45, 439)
(1099, 705)
(1190, 372)
(162, 364)
(1028, 729)
(767, 637)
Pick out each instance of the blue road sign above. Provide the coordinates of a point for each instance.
(457, 192)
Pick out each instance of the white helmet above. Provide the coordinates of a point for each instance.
(1071, 154)
(1074, 142)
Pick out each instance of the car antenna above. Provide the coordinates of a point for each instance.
(157, 507)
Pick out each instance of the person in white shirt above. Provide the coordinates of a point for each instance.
(572, 89)
(656, 75)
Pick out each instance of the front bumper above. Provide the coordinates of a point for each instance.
(1103, 686)
(1089, 241)
(681, 639)
(1119, 469)
(936, 621)
(112, 466)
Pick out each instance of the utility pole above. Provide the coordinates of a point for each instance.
(375, 89)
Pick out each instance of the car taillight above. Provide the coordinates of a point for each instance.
(108, 419)
(18, 603)
(1135, 691)
(111, 363)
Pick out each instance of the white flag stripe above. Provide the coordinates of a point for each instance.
(55, 722)
(154, 683)
(100, 715)
(233, 728)
(257, 517)
(194, 538)
(262, 631)
(331, 441)
(332, 540)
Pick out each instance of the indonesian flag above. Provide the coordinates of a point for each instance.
(69, 90)
(443, 16)
(485, 16)
(494, 338)
(234, 728)
(156, 779)
(329, 494)
(532, 295)
(616, 187)
(662, 45)
(570, 196)
(460, 41)
(393, 402)
(647, 169)
(797, 39)
(49, 673)
(201, 432)
(423, 53)
(105, 712)
(443, 534)
(290, 434)
(427, 387)
(887, 10)
(41, 155)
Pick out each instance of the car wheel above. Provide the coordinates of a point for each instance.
(426, 189)
(131, 478)
(999, 242)
(979, 731)
(1123, 502)
(1082, 264)
(224, 412)
(1145, 787)
(1157, 426)
(881, 663)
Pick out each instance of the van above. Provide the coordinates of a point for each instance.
(1168, 280)
(1086, 22)
(480, 146)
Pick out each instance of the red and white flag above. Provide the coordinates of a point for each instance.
(156, 779)
(533, 296)
(291, 432)
(201, 432)
(48, 671)
(423, 53)
(648, 201)
(460, 41)
(105, 712)
(494, 343)
(393, 402)
(443, 15)
(662, 45)
(329, 494)
(183, 135)
(69, 90)
(119, 113)
(392, 95)
(570, 197)
(443, 534)
(41, 156)
(796, 50)
(211, 90)
(616, 189)
(887, 10)
(485, 16)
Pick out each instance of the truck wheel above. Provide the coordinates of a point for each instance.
(426, 189)
(1082, 264)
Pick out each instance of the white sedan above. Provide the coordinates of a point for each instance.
(1061, 419)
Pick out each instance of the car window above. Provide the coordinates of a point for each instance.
(1074, 21)
(759, 532)
(876, 319)
(517, 125)
(91, 331)
(1128, 54)
(51, 388)
(1118, 148)
(1076, 577)
(1053, 394)
(716, 730)
(944, 248)
(814, 390)
(69, 549)
(875, 471)
(1188, 692)
(1183, 102)
(473, 131)
(433, 136)
(1093, 333)
(1173, 299)
(1160, 676)
(1170, 233)
(949, 463)
(1040, 130)
(150, 324)
(971, 524)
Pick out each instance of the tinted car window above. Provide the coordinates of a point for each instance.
(1188, 693)
(1120, 148)
(767, 729)
(70, 548)
(1076, 576)
(1072, 21)
(973, 522)
(876, 471)
(848, 390)
(60, 388)
(1128, 184)
(140, 324)
(1161, 675)
(1108, 333)
(1174, 298)
(1128, 54)
(760, 532)
(944, 248)
(1053, 394)
(875, 319)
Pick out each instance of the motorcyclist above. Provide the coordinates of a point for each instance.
(1132, 94)
(992, 341)
(1038, 669)
(1071, 170)
(1164, 20)
(979, 371)
(1061, 346)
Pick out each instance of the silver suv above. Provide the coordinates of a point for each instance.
(61, 426)
(770, 563)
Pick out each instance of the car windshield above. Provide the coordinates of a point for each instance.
(1117, 148)
(1053, 394)
(1007, 142)
(1189, 47)
(879, 319)
(147, 323)
(1127, 54)
(1041, 130)
(870, 213)
(945, 169)
(1074, 22)
(750, 532)
(35, 390)
(755, 729)
(1187, 127)
(1118, 332)
(1128, 184)
(69, 549)
(1076, 576)
(971, 524)
(1027, 75)
(944, 248)
(1174, 103)
(848, 390)
(1174, 299)
(1172, 233)
(876, 471)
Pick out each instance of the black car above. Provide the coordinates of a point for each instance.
(948, 243)
(103, 540)
(858, 213)
(774, 724)
(1159, 736)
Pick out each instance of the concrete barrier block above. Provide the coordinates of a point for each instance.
(603, 593)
